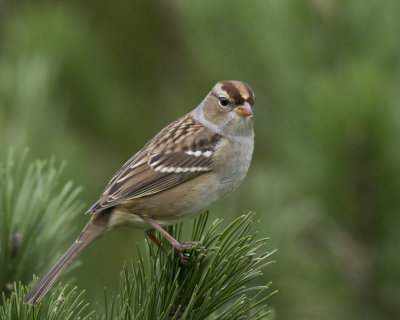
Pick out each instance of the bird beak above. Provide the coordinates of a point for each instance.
(244, 110)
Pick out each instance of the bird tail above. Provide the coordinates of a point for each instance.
(94, 229)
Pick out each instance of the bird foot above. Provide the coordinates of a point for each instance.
(190, 252)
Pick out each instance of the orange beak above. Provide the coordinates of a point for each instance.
(244, 110)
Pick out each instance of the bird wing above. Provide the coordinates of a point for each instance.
(181, 151)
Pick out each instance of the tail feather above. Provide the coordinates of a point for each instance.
(94, 229)
(47, 281)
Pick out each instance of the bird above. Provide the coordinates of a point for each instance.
(189, 165)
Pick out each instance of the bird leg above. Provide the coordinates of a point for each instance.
(151, 235)
(179, 247)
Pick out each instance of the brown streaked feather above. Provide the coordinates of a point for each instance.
(166, 161)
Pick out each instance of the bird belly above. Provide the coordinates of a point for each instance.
(187, 201)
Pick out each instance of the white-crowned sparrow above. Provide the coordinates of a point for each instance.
(190, 164)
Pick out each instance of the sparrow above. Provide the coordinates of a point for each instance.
(189, 165)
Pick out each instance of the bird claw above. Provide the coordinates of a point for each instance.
(190, 252)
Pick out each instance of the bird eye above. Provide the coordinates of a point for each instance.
(223, 101)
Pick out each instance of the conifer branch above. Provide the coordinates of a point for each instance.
(216, 287)
(35, 211)
(220, 285)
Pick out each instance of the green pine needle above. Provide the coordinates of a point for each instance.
(219, 283)
(215, 286)
(63, 303)
(35, 211)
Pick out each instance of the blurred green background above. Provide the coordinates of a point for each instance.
(91, 81)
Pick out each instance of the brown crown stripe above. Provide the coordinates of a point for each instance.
(236, 90)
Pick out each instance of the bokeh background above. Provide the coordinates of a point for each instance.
(90, 82)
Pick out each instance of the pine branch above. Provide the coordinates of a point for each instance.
(34, 212)
(221, 285)
(216, 287)
(64, 303)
